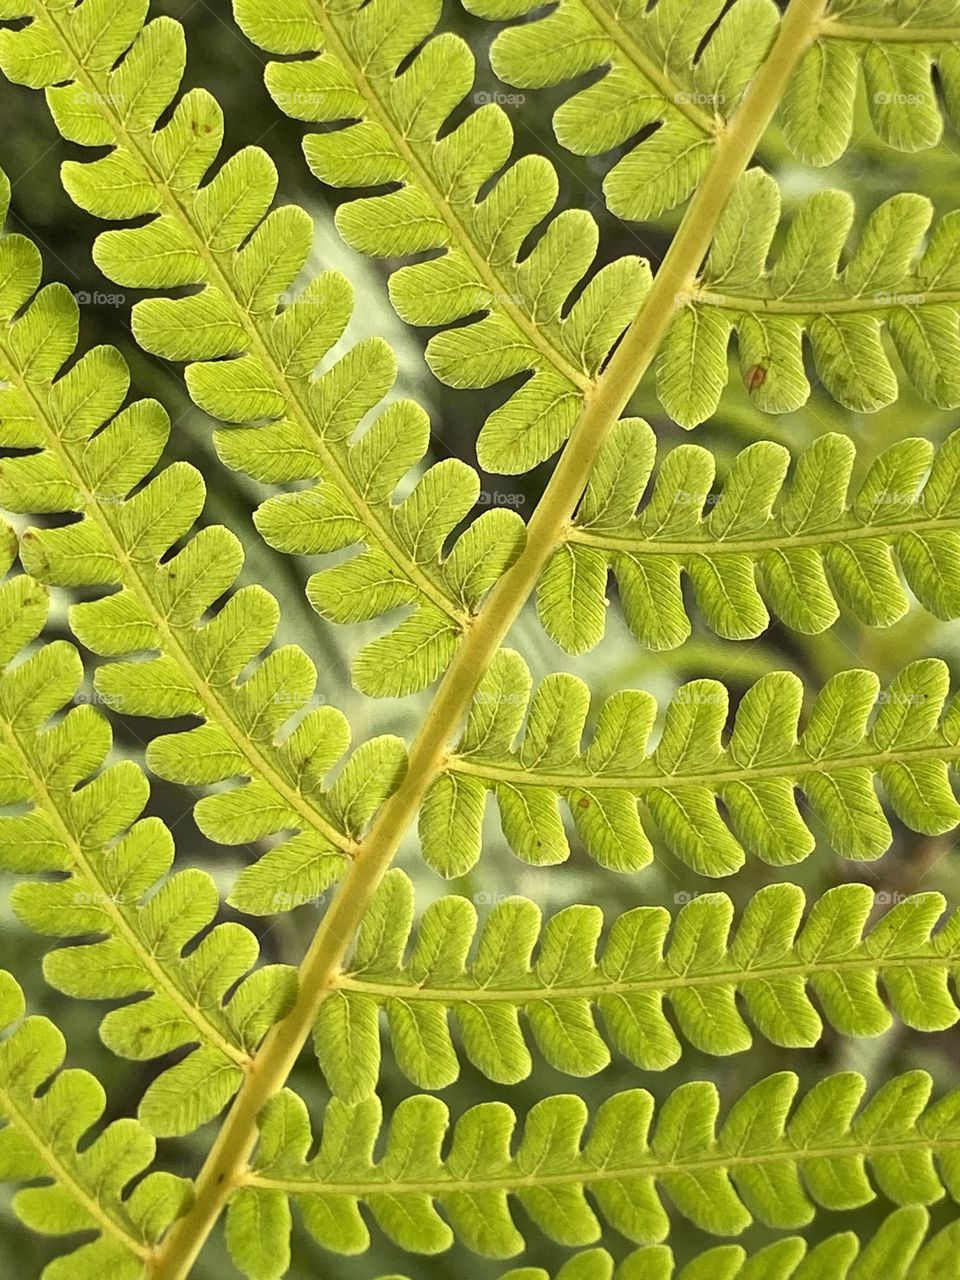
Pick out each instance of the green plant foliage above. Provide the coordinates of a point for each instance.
(128, 548)
(800, 548)
(659, 71)
(772, 1159)
(433, 206)
(47, 1113)
(885, 283)
(695, 963)
(289, 426)
(855, 733)
(905, 53)
(83, 822)
(87, 457)
(896, 1252)
(653, 77)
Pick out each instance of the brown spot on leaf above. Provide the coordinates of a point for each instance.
(756, 377)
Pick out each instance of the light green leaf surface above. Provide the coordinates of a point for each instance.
(259, 358)
(896, 281)
(362, 71)
(696, 964)
(618, 791)
(774, 1157)
(796, 541)
(76, 1184)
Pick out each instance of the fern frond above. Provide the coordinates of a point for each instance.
(83, 1190)
(87, 457)
(255, 361)
(692, 962)
(632, 357)
(905, 52)
(801, 549)
(887, 284)
(662, 79)
(896, 1252)
(770, 1161)
(433, 205)
(833, 762)
(83, 822)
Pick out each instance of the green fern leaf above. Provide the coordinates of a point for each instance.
(288, 424)
(434, 206)
(693, 963)
(803, 548)
(683, 91)
(771, 1160)
(886, 284)
(83, 821)
(834, 761)
(86, 456)
(48, 1112)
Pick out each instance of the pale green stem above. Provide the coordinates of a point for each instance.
(515, 1180)
(900, 298)
(630, 542)
(837, 29)
(603, 985)
(559, 780)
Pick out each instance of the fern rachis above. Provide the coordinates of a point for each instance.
(253, 366)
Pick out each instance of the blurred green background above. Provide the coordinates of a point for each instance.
(222, 60)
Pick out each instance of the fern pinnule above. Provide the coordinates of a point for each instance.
(887, 283)
(905, 736)
(800, 548)
(433, 205)
(691, 962)
(48, 1112)
(774, 1159)
(254, 360)
(87, 456)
